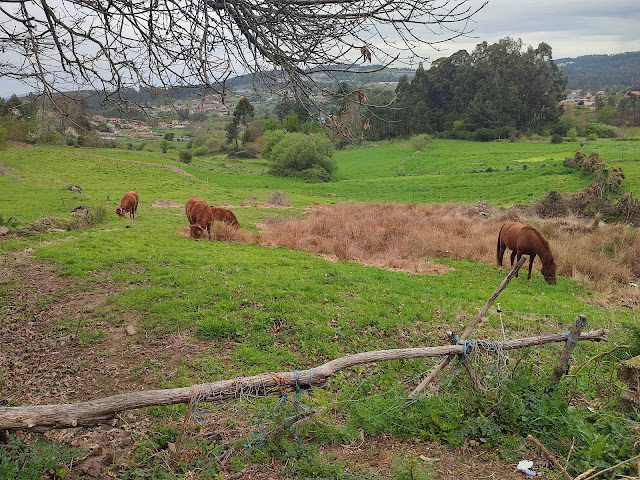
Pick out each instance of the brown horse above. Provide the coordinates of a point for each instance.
(525, 240)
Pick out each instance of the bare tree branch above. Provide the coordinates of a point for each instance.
(111, 45)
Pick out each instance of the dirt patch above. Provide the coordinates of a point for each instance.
(21, 145)
(61, 343)
(165, 204)
(6, 171)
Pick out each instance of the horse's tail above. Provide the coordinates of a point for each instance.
(498, 246)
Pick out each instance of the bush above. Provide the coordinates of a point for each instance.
(420, 142)
(457, 134)
(278, 199)
(484, 135)
(200, 151)
(186, 156)
(596, 129)
(556, 138)
(299, 155)
(240, 154)
(271, 139)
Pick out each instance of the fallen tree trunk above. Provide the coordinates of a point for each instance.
(46, 417)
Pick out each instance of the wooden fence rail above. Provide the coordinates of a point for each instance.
(46, 417)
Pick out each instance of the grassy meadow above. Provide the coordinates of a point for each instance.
(252, 308)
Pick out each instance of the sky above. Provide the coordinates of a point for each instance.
(571, 28)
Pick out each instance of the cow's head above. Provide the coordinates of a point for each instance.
(120, 212)
(196, 231)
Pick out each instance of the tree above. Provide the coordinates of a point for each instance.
(495, 87)
(136, 44)
(232, 131)
(292, 123)
(243, 111)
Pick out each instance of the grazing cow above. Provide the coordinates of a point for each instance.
(223, 215)
(129, 203)
(525, 240)
(199, 216)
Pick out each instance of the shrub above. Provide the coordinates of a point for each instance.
(556, 138)
(601, 130)
(299, 155)
(200, 151)
(484, 135)
(186, 156)
(278, 199)
(420, 142)
(271, 138)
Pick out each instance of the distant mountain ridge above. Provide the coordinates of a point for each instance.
(598, 72)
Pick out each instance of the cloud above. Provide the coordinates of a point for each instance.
(571, 28)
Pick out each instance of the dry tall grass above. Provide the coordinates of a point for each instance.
(401, 236)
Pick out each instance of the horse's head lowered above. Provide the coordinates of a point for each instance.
(549, 271)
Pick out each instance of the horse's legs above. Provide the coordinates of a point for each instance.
(513, 256)
(501, 255)
(531, 257)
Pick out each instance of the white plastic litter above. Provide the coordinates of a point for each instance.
(525, 466)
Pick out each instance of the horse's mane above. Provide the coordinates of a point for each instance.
(543, 240)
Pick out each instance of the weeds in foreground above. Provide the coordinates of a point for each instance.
(35, 457)
(10, 222)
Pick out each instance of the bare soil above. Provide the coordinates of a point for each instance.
(46, 360)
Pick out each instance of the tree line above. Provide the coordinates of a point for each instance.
(493, 92)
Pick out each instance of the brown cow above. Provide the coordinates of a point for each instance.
(525, 240)
(129, 203)
(223, 215)
(200, 217)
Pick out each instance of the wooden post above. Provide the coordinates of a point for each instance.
(467, 366)
(470, 328)
(563, 361)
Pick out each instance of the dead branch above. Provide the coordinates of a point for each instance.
(637, 457)
(92, 412)
(113, 46)
(550, 457)
(596, 357)
(470, 328)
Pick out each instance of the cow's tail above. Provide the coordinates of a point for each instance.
(498, 246)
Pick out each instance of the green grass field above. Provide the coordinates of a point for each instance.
(221, 292)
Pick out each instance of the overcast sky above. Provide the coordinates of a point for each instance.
(572, 28)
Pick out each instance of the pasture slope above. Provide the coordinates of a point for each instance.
(127, 305)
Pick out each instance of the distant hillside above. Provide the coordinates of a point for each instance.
(597, 72)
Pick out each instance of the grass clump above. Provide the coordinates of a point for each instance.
(35, 457)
